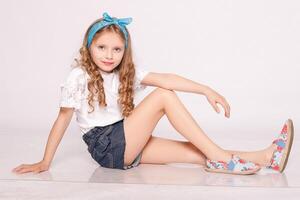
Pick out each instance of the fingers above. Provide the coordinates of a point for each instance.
(18, 168)
(35, 168)
(215, 98)
(37, 171)
(25, 168)
(224, 104)
(215, 106)
(226, 107)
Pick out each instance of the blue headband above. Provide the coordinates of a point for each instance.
(107, 20)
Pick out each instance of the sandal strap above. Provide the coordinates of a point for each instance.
(235, 164)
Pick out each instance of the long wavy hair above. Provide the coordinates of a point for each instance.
(126, 70)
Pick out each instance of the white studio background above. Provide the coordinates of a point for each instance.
(248, 51)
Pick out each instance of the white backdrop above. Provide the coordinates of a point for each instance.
(248, 51)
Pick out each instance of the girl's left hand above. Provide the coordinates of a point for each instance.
(213, 98)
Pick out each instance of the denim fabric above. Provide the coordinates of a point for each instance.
(106, 145)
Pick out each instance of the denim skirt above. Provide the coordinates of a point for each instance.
(106, 144)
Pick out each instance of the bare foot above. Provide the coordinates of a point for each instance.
(221, 156)
(268, 153)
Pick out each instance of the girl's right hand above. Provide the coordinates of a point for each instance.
(35, 168)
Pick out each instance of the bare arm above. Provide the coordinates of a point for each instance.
(176, 82)
(58, 129)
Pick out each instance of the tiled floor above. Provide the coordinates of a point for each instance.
(74, 175)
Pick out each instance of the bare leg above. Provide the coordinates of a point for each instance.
(163, 151)
(262, 157)
(185, 124)
(139, 125)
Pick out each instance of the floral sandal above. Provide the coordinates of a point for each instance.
(284, 144)
(235, 166)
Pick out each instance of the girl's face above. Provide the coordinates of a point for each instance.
(107, 51)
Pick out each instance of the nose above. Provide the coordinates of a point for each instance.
(109, 54)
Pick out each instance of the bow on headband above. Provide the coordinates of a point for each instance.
(108, 20)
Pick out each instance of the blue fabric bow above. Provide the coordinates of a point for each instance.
(108, 20)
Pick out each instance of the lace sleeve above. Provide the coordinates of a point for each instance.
(72, 90)
(139, 76)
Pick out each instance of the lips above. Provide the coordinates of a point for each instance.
(107, 63)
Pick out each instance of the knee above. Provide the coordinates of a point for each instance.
(163, 96)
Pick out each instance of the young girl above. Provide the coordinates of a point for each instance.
(101, 91)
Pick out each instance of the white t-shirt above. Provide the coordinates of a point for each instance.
(74, 93)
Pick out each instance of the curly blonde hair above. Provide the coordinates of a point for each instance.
(126, 70)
